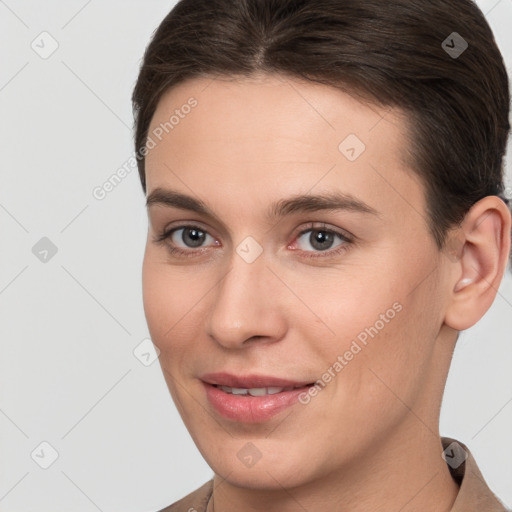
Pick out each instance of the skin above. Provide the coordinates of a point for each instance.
(369, 440)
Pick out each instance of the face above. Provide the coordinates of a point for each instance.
(302, 255)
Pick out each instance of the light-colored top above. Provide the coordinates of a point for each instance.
(474, 494)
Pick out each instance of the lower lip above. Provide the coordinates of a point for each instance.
(251, 409)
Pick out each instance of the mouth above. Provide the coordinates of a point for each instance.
(272, 390)
(251, 399)
(229, 380)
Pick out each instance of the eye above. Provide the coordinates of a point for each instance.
(321, 239)
(192, 237)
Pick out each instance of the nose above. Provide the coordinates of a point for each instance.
(246, 308)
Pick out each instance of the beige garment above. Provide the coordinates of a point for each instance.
(474, 494)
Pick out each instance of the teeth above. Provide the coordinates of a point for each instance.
(257, 391)
(254, 391)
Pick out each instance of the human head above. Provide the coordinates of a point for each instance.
(423, 117)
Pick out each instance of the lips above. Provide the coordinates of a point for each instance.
(251, 398)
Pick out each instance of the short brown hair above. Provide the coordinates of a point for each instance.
(389, 52)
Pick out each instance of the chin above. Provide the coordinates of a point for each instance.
(262, 479)
(269, 468)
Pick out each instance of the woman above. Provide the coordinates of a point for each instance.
(326, 207)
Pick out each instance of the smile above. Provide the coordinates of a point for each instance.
(252, 398)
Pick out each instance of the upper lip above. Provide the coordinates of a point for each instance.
(250, 381)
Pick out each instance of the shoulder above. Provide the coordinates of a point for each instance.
(196, 501)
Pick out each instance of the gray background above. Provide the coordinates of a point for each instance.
(70, 323)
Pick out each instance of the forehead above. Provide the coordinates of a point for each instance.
(267, 105)
(276, 133)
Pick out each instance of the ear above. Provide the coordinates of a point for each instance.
(480, 249)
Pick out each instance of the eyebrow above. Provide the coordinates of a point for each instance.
(331, 201)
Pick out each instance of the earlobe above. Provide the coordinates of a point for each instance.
(484, 236)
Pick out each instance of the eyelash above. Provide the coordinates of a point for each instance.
(176, 251)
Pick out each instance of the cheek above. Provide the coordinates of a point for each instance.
(353, 309)
(384, 335)
(167, 301)
(394, 367)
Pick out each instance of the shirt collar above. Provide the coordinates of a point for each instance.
(474, 494)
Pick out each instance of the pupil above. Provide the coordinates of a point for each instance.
(321, 237)
(196, 236)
